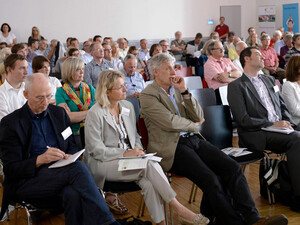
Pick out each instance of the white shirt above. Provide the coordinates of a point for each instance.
(238, 64)
(10, 98)
(55, 83)
(291, 96)
(9, 39)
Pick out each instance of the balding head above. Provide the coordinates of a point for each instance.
(37, 92)
(240, 46)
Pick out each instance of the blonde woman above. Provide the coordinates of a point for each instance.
(35, 34)
(110, 133)
(75, 96)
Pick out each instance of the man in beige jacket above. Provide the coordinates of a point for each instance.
(172, 117)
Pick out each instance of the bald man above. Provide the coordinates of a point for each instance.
(34, 137)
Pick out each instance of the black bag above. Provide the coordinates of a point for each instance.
(133, 221)
(279, 181)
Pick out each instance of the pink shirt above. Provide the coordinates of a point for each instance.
(212, 67)
(270, 56)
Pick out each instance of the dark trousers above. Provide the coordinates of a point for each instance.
(217, 175)
(81, 198)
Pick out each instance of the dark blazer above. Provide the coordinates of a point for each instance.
(249, 111)
(15, 142)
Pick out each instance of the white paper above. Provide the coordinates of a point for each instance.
(236, 152)
(65, 162)
(190, 49)
(278, 130)
(276, 88)
(197, 54)
(66, 133)
(136, 157)
(132, 164)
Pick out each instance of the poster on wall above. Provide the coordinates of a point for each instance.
(290, 17)
(266, 19)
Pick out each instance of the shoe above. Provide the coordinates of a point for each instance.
(272, 220)
(199, 219)
(116, 206)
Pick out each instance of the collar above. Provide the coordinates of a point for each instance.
(172, 91)
(36, 116)
(259, 76)
(215, 60)
(8, 87)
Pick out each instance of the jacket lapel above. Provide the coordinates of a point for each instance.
(108, 118)
(272, 94)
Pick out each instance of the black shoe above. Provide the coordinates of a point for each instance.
(295, 205)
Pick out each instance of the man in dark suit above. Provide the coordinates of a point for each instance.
(32, 138)
(195, 46)
(256, 103)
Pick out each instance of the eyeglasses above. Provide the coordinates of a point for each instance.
(41, 98)
(221, 49)
(123, 87)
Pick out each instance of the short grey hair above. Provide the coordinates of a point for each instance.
(211, 46)
(277, 32)
(237, 47)
(288, 37)
(30, 80)
(129, 56)
(156, 61)
(263, 37)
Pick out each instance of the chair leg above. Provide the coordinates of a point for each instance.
(143, 208)
(195, 193)
(141, 204)
(192, 192)
(244, 167)
(171, 215)
(166, 213)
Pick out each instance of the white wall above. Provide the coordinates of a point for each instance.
(133, 19)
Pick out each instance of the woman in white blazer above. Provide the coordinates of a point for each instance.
(291, 88)
(110, 133)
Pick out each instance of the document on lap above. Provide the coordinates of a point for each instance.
(65, 162)
(236, 152)
(135, 163)
(278, 130)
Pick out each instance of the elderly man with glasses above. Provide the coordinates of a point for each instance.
(219, 71)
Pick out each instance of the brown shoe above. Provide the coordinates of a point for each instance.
(272, 220)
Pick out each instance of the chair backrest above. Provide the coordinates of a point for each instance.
(185, 72)
(143, 132)
(193, 82)
(136, 104)
(223, 94)
(204, 96)
(217, 127)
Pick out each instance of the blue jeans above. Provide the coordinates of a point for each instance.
(81, 198)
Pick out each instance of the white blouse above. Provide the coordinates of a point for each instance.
(291, 96)
(9, 39)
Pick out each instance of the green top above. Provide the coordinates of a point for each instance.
(62, 97)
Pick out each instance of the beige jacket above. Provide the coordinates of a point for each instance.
(163, 123)
(102, 139)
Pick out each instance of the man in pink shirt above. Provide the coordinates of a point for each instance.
(271, 61)
(219, 71)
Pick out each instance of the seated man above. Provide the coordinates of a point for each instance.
(193, 51)
(172, 117)
(251, 31)
(271, 62)
(239, 47)
(219, 71)
(75, 44)
(31, 139)
(256, 103)
(178, 46)
(164, 47)
(115, 63)
(232, 54)
(295, 49)
(11, 92)
(33, 46)
(87, 57)
(123, 47)
(143, 50)
(22, 49)
(93, 69)
(134, 81)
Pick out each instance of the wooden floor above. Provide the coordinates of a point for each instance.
(182, 186)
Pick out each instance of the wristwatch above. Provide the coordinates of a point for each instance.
(185, 92)
(229, 74)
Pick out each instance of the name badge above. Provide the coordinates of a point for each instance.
(66, 133)
(125, 111)
(276, 88)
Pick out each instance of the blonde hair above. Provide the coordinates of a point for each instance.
(2, 71)
(204, 49)
(38, 35)
(4, 52)
(107, 79)
(69, 68)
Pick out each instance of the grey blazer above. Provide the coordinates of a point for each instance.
(102, 139)
(249, 111)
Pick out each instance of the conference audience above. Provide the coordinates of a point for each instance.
(7, 36)
(140, 63)
(22, 49)
(172, 117)
(239, 47)
(283, 51)
(75, 96)
(155, 49)
(3, 45)
(214, 36)
(87, 57)
(222, 30)
(232, 54)
(97, 38)
(256, 103)
(202, 59)
(177, 46)
(115, 63)
(2, 73)
(252, 31)
(123, 49)
(11, 91)
(193, 51)
(253, 42)
(110, 133)
(93, 69)
(71, 52)
(35, 34)
(143, 50)
(295, 49)
(291, 88)
(4, 52)
(278, 43)
(41, 64)
(115, 51)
